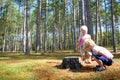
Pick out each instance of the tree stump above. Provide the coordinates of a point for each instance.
(73, 62)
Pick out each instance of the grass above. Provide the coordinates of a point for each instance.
(17, 66)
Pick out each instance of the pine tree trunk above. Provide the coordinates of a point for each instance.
(113, 26)
(74, 26)
(28, 37)
(89, 18)
(64, 45)
(38, 28)
(97, 21)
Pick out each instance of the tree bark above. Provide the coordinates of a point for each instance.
(113, 26)
(45, 28)
(74, 26)
(64, 45)
(28, 36)
(71, 63)
(97, 21)
(37, 49)
(89, 18)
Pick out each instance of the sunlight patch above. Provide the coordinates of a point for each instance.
(4, 58)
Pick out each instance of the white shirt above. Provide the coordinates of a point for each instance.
(105, 52)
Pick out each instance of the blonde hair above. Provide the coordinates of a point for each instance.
(88, 43)
(84, 27)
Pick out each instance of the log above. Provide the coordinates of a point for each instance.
(73, 62)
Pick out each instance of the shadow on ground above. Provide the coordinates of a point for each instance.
(83, 69)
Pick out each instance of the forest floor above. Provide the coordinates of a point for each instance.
(17, 66)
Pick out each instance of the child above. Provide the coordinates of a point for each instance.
(102, 56)
(81, 41)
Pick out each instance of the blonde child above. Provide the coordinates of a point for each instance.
(101, 55)
(84, 36)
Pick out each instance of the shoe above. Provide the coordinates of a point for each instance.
(99, 69)
(97, 66)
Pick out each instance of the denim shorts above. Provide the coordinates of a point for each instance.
(106, 61)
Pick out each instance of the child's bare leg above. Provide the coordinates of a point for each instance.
(89, 57)
(100, 63)
(83, 57)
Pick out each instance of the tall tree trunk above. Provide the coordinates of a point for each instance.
(83, 22)
(21, 40)
(113, 26)
(69, 34)
(106, 27)
(45, 28)
(101, 33)
(16, 43)
(53, 39)
(4, 40)
(74, 25)
(28, 36)
(38, 43)
(89, 18)
(59, 30)
(64, 43)
(53, 30)
(97, 20)
(24, 29)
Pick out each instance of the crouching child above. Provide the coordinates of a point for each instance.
(101, 55)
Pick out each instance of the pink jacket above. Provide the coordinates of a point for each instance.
(83, 38)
